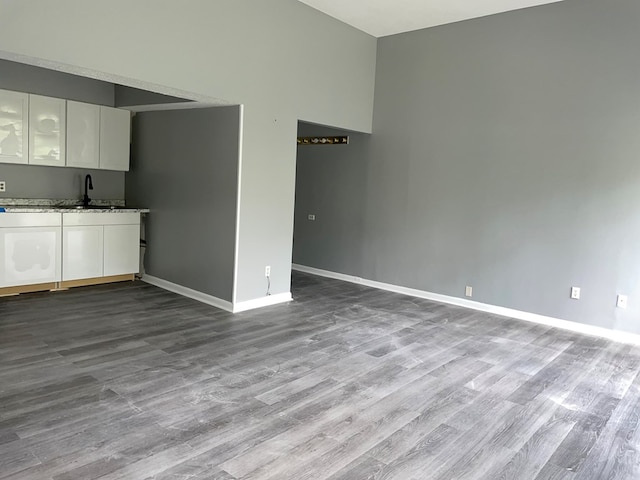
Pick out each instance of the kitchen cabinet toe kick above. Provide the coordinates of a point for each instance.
(65, 285)
(84, 282)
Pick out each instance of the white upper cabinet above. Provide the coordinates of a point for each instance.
(83, 135)
(55, 132)
(47, 135)
(14, 127)
(115, 128)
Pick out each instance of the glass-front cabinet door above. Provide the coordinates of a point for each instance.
(83, 135)
(47, 132)
(14, 127)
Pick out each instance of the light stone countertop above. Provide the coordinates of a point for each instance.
(44, 205)
(46, 209)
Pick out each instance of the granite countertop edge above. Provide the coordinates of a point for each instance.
(47, 209)
(72, 205)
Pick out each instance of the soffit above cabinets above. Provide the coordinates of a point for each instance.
(388, 17)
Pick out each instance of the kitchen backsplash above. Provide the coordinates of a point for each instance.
(30, 181)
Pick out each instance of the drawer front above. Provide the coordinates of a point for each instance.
(14, 220)
(100, 218)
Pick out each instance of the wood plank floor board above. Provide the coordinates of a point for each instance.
(346, 451)
(16, 457)
(363, 468)
(336, 425)
(476, 453)
(280, 463)
(192, 472)
(553, 472)
(558, 377)
(529, 460)
(412, 354)
(8, 436)
(498, 380)
(574, 449)
(67, 415)
(615, 454)
(418, 462)
(303, 433)
(127, 381)
(412, 434)
(110, 435)
(68, 399)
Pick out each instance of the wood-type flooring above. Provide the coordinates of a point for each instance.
(128, 381)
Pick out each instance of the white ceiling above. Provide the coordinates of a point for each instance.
(387, 17)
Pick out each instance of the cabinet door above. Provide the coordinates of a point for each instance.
(29, 255)
(47, 137)
(82, 252)
(115, 127)
(14, 127)
(83, 135)
(121, 249)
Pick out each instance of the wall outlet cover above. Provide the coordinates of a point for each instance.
(468, 291)
(3, 186)
(621, 301)
(575, 293)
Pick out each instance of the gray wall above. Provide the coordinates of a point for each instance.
(184, 167)
(330, 184)
(281, 59)
(42, 81)
(505, 156)
(31, 181)
(128, 96)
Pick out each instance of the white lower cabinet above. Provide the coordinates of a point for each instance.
(100, 244)
(29, 248)
(121, 249)
(82, 252)
(45, 248)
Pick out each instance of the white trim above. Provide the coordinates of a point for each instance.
(615, 335)
(215, 301)
(234, 294)
(188, 292)
(161, 107)
(262, 302)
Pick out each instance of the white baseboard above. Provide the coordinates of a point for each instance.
(215, 301)
(262, 302)
(615, 335)
(188, 292)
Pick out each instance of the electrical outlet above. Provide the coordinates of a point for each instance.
(3, 186)
(311, 217)
(267, 271)
(468, 291)
(575, 293)
(622, 301)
